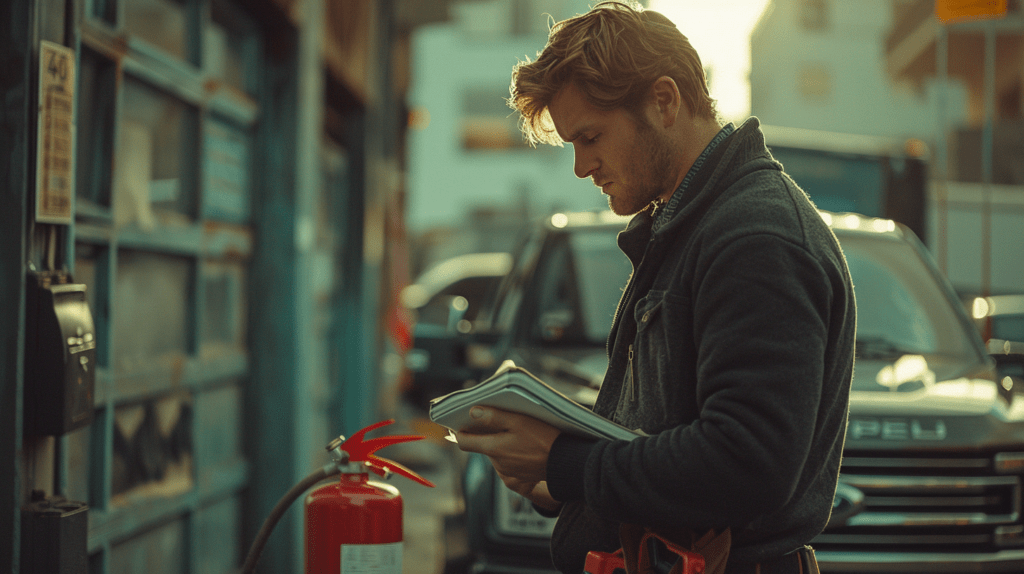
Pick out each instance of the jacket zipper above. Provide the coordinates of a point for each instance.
(626, 297)
(630, 379)
(628, 294)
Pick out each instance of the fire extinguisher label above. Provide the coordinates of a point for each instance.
(371, 558)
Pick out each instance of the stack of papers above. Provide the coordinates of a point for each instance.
(515, 389)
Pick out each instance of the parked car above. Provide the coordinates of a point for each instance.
(444, 301)
(934, 455)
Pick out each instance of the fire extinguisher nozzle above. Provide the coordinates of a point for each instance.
(340, 457)
(335, 443)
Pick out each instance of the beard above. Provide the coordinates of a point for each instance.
(648, 167)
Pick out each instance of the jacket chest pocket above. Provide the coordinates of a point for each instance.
(652, 386)
(651, 345)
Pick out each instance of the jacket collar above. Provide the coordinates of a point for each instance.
(729, 156)
(664, 214)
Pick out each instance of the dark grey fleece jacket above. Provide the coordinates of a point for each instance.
(732, 347)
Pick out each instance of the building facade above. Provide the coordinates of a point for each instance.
(876, 68)
(225, 179)
(820, 64)
(978, 196)
(470, 171)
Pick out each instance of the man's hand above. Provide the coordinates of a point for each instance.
(518, 446)
(535, 492)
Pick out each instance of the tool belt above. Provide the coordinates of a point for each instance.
(647, 552)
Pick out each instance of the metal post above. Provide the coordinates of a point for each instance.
(986, 165)
(941, 149)
(17, 126)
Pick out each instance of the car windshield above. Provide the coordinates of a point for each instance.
(901, 308)
(580, 288)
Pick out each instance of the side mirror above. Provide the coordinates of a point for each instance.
(443, 314)
(457, 322)
(447, 356)
(1009, 358)
(554, 322)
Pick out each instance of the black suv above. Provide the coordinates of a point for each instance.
(934, 457)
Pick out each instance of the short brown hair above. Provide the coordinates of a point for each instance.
(613, 53)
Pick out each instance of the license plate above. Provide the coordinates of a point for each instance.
(514, 515)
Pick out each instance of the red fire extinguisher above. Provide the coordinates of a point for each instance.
(355, 524)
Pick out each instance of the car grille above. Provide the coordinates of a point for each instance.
(928, 505)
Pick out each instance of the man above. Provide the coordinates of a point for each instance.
(732, 346)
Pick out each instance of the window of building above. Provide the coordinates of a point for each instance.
(97, 97)
(814, 15)
(105, 10)
(814, 82)
(229, 48)
(156, 167)
(165, 24)
(163, 240)
(487, 121)
(483, 19)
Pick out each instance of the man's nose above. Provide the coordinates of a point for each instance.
(584, 164)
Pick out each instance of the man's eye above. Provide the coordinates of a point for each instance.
(591, 140)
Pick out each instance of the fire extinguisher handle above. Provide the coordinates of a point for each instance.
(360, 450)
(389, 466)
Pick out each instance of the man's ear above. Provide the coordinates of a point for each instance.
(668, 101)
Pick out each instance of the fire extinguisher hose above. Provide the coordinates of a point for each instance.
(279, 509)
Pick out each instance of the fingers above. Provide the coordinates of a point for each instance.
(518, 445)
(522, 487)
(488, 420)
(541, 496)
(488, 430)
(474, 442)
(479, 436)
(496, 432)
(535, 491)
(506, 467)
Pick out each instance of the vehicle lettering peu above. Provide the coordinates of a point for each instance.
(896, 429)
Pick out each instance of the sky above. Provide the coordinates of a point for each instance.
(720, 31)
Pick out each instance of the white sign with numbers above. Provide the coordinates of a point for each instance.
(371, 558)
(55, 176)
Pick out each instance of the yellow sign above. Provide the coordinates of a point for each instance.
(55, 177)
(949, 11)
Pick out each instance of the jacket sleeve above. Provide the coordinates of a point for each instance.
(566, 463)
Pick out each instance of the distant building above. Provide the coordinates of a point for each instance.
(978, 199)
(466, 154)
(821, 64)
(871, 67)
(912, 53)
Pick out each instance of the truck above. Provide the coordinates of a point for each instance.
(974, 230)
(931, 479)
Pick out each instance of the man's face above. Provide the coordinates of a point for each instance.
(624, 155)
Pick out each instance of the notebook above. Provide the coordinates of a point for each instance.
(513, 388)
